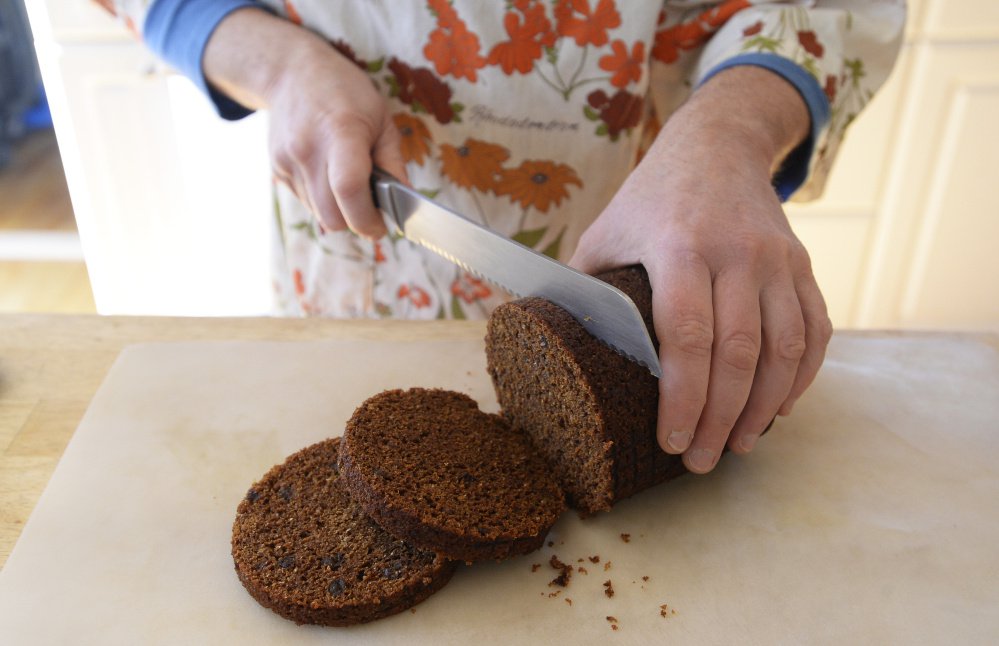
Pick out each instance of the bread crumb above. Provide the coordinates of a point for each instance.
(568, 601)
(612, 619)
(579, 560)
(607, 566)
(613, 626)
(665, 611)
(626, 538)
(563, 578)
(412, 611)
(535, 567)
(552, 595)
(551, 543)
(645, 578)
(595, 559)
(608, 588)
(582, 570)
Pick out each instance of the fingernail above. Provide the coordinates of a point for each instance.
(748, 442)
(679, 440)
(701, 460)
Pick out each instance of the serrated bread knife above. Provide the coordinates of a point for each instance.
(604, 311)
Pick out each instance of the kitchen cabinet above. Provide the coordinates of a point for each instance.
(900, 237)
(932, 247)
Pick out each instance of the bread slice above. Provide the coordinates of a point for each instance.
(590, 411)
(431, 468)
(305, 550)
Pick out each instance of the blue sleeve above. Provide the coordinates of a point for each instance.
(794, 170)
(178, 30)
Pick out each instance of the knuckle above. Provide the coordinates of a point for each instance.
(741, 351)
(351, 125)
(824, 329)
(299, 149)
(687, 407)
(693, 334)
(684, 249)
(751, 250)
(791, 347)
(348, 186)
(725, 419)
(801, 263)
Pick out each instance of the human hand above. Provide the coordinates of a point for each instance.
(328, 124)
(741, 322)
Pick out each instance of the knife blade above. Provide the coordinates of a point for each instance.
(603, 310)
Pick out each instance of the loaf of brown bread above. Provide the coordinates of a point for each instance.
(430, 467)
(590, 411)
(305, 550)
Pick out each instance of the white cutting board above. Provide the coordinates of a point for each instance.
(869, 516)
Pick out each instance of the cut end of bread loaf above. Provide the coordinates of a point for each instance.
(590, 411)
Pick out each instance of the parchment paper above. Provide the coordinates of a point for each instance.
(871, 515)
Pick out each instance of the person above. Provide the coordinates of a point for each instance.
(603, 133)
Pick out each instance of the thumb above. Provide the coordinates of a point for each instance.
(595, 252)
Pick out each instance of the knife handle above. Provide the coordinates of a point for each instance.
(381, 192)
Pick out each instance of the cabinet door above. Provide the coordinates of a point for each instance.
(934, 255)
(960, 20)
(836, 228)
(172, 203)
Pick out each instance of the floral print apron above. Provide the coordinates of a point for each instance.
(528, 115)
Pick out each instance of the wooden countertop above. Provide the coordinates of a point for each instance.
(51, 366)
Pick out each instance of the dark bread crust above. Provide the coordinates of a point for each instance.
(305, 550)
(590, 411)
(431, 468)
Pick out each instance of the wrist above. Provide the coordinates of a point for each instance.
(236, 63)
(750, 113)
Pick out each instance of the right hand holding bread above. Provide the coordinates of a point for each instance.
(741, 322)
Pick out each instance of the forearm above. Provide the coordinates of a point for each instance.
(747, 112)
(243, 61)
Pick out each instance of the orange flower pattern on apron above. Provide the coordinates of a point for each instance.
(415, 144)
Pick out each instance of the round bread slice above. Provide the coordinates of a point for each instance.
(431, 468)
(305, 550)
